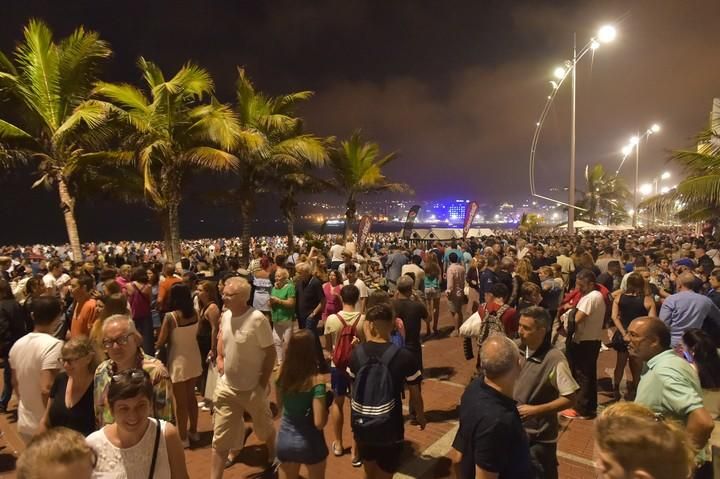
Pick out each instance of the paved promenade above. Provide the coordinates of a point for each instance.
(425, 456)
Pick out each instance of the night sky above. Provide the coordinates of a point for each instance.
(454, 87)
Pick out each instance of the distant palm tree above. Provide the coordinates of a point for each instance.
(357, 170)
(279, 155)
(697, 197)
(292, 181)
(604, 196)
(46, 117)
(178, 129)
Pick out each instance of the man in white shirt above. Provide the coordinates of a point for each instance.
(336, 254)
(50, 280)
(584, 348)
(35, 361)
(414, 267)
(351, 273)
(246, 357)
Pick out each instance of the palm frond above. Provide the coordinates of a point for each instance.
(212, 158)
(92, 113)
(151, 73)
(80, 57)
(216, 122)
(285, 103)
(38, 62)
(190, 81)
(10, 131)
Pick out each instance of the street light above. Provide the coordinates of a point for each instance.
(635, 143)
(646, 189)
(665, 175)
(605, 34)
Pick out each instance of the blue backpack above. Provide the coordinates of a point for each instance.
(373, 399)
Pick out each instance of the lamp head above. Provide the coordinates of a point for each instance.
(655, 128)
(634, 140)
(607, 33)
(627, 149)
(665, 175)
(559, 73)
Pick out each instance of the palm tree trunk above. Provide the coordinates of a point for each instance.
(174, 230)
(67, 204)
(246, 213)
(350, 216)
(290, 218)
(162, 216)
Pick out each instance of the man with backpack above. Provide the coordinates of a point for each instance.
(497, 317)
(379, 370)
(342, 333)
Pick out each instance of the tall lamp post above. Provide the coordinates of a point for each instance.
(635, 143)
(606, 34)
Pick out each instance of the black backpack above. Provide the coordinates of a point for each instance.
(373, 398)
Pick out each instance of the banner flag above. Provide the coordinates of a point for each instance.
(363, 230)
(470, 212)
(409, 221)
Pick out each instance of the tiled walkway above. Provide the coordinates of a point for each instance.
(425, 454)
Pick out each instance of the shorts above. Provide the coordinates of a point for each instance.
(386, 456)
(229, 407)
(339, 382)
(455, 305)
(432, 293)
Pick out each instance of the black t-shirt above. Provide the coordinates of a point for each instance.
(80, 417)
(412, 313)
(491, 434)
(403, 368)
(309, 295)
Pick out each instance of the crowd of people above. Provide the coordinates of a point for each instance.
(112, 357)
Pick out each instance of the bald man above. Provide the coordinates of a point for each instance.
(490, 441)
(669, 385)
(687, 309)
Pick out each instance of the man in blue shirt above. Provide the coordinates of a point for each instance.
(687, 309)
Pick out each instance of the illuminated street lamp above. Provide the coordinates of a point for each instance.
(635, 143)
(605, 34)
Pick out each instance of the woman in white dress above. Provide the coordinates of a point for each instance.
(135, 444)
(180, 328)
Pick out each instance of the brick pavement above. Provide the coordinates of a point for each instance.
(424, 457)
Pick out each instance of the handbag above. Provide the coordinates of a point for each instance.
(472, 326)
(163, 352)
(151, 474)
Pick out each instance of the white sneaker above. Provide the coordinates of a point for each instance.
(201, 403)
(194, 436)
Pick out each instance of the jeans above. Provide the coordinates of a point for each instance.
(311, 324)
(583, 357)
(543, 456)
(7, 385)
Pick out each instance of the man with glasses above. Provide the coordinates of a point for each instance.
(245, 361)
(121, 341)
(34, 363)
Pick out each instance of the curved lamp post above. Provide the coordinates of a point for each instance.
(606, 34)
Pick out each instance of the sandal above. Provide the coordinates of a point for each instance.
(337, 452)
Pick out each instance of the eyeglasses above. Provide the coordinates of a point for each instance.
(132, 374)
(62, 361)
(120, 341)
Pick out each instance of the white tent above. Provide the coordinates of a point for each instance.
(446, 234)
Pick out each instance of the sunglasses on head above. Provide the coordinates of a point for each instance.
(132, 374)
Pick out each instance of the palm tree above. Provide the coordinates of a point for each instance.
(357, 170)
(47, 117)
(605, 195)
(176, 131)
(279, 154)
(292, 181)
(697, 197)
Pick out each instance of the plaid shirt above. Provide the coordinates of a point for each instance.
(161, 385)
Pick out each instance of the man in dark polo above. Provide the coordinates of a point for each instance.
(309, 306)
(490, 441)
(544, 388)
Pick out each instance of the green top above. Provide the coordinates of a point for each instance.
(279, 312)
(297, 404)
